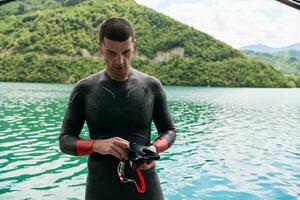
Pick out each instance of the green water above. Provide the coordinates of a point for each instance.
(232, 143)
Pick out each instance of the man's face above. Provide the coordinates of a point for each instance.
(117, 55)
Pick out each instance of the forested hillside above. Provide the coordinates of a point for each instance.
(288, 62)
(54, 41)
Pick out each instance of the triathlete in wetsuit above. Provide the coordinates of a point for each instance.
(117, 111)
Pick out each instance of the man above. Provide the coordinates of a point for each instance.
(118, 105)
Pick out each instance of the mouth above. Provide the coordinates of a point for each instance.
(119, 67)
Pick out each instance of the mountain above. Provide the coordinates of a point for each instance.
(295, 47)
(266, 49)
(54, 41)
(288, 62)
(17, 7)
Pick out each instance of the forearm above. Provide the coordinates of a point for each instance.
(164, 140)
(75, 146)
(163, 120)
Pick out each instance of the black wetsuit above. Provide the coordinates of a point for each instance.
(117, 108)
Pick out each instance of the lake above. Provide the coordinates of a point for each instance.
(232, 143)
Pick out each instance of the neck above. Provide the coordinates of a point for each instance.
(121, 77)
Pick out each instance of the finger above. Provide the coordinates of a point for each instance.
(149, 165)
(143, 166)
(122, 144)
(121, 139)
(115, 154)
(152, 164)
(118, 150)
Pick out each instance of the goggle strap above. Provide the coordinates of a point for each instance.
(141, 189)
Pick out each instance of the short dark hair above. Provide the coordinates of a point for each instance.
(117, 29)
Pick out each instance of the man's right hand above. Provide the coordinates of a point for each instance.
(113, 146)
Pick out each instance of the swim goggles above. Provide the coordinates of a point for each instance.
(137, 155)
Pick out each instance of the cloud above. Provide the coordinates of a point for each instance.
(151, 4)
(237, 22)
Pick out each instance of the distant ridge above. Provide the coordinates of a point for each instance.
(266, 49)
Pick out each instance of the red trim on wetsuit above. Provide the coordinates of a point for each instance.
(161, 144)
(84, 147)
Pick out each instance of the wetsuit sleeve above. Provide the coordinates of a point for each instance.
(69, 140)
(163, 120)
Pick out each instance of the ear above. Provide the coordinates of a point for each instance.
(99, 47)
(134, 44)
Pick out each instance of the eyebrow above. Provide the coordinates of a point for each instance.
(111, 51)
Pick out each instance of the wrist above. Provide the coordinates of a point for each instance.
(94, 146)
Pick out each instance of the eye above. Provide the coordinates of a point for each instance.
(112, 53)
(126, 52)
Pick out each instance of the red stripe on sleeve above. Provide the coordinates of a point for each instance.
(84, 147)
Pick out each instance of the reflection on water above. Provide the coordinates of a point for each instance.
(231, 144)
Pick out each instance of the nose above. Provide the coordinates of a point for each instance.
(119, 60)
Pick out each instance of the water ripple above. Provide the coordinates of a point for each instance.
(232, 143)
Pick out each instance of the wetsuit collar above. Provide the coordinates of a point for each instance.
(129, 77)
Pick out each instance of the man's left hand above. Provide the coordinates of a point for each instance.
(148, 165)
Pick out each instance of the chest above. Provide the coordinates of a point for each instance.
(122, 101)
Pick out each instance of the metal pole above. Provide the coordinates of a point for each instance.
(292, 3)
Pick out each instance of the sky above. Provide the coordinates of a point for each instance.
(236, 22)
